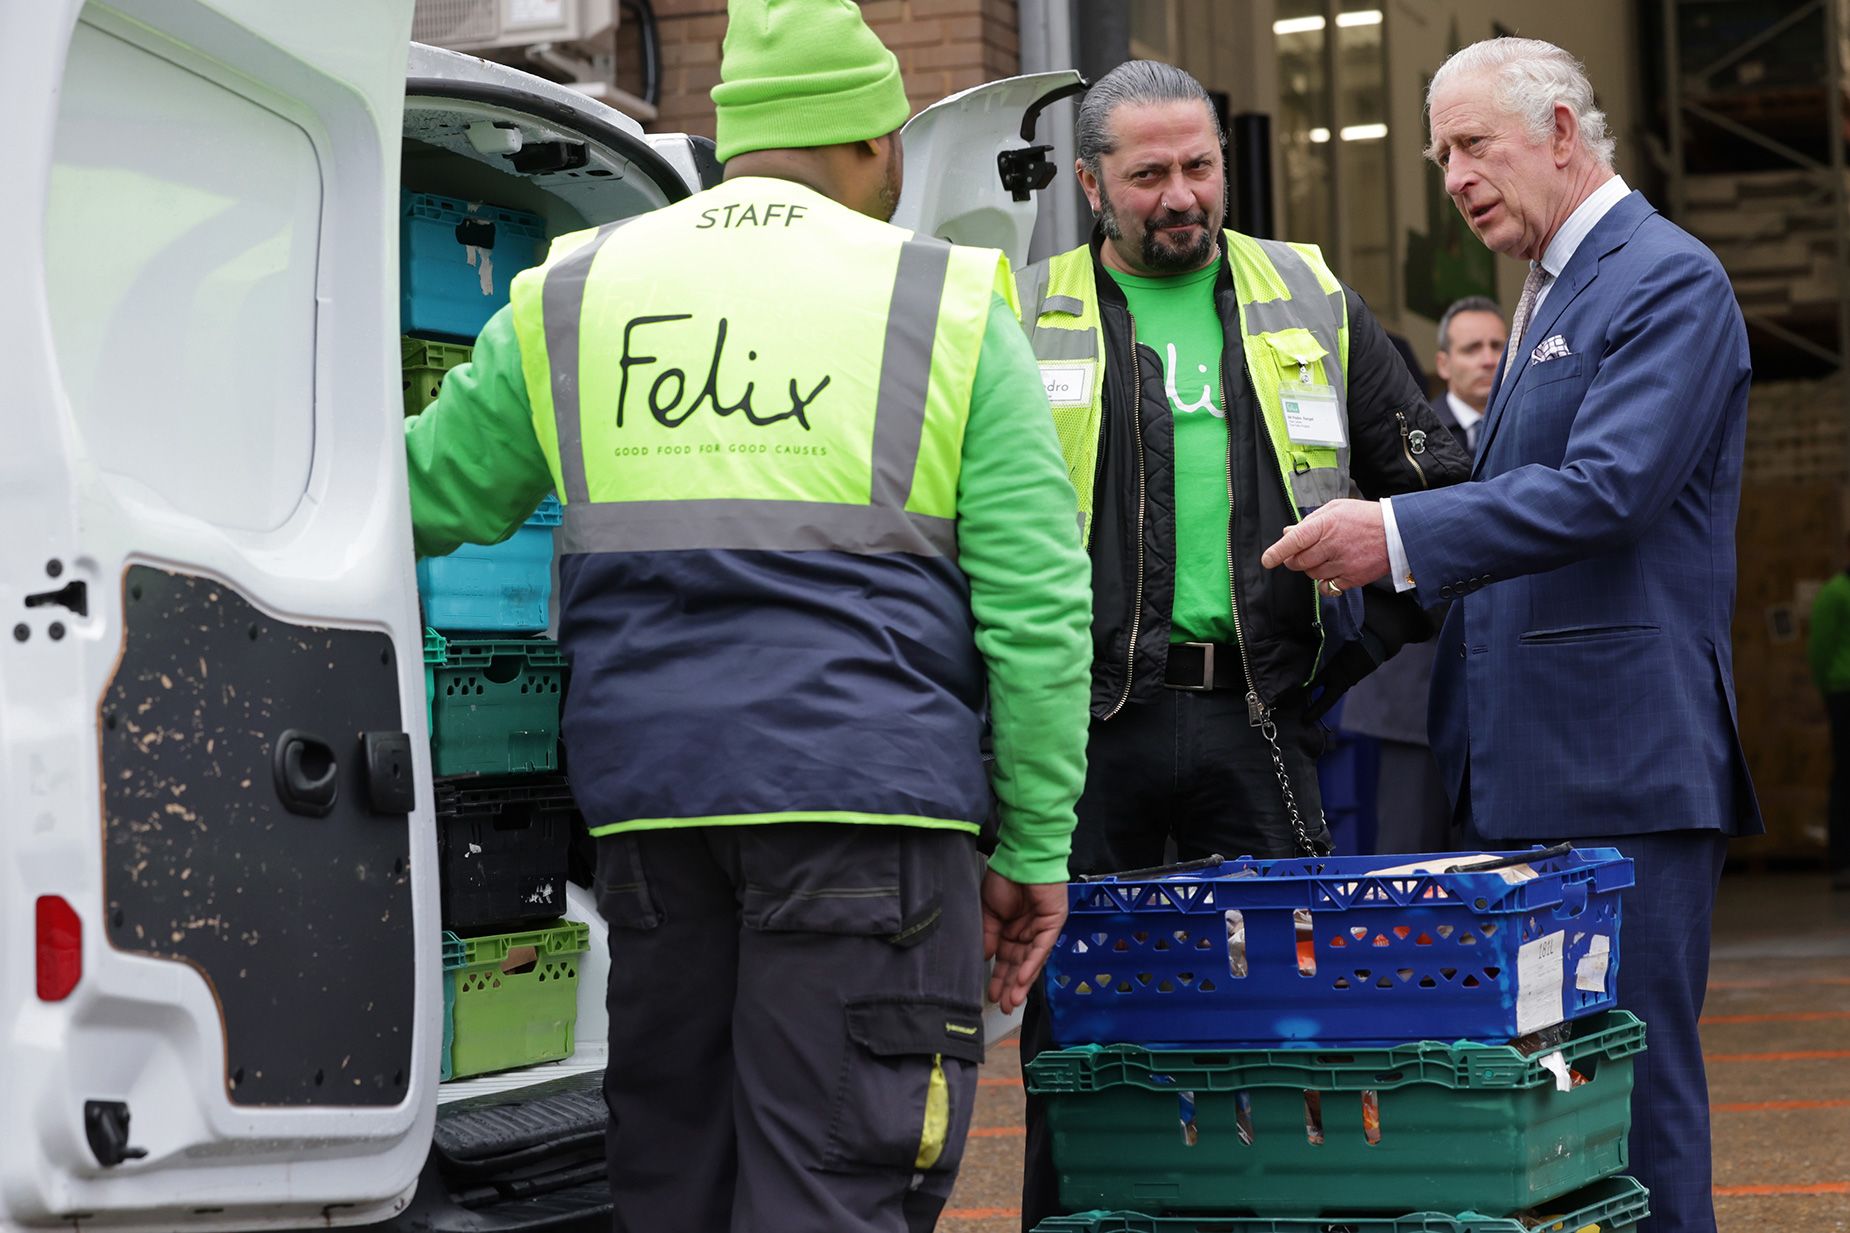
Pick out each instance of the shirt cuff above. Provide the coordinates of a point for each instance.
(1398, 568)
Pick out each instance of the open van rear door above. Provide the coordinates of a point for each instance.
(974, 169)
(974, 174)
(220, 1006)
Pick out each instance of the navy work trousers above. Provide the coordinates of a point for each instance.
(795, 1025)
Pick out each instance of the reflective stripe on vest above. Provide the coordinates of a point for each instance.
(722, 447)
(1292, 317)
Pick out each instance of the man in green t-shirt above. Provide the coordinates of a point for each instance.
(1202, 728)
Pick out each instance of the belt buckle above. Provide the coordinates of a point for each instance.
(1207, 670)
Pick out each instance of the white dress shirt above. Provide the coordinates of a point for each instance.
(1466, 415)
(1554, 259)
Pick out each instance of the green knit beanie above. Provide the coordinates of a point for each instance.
(799, 73)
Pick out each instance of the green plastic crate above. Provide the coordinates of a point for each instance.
(452, 959)
(493, 704)
(425, 362)
(1461, 1126)
(517, 998)
(1615, 1205)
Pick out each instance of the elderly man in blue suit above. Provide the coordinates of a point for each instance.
(1584, 685)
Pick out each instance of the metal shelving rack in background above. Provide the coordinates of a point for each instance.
(1755, 160)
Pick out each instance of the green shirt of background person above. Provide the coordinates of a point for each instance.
(1829, 646)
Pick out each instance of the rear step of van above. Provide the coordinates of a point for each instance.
(526, 1161)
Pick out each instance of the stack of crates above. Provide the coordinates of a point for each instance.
(494, 684)
(1270, 1046)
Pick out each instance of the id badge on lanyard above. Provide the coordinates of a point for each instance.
(1313, 414)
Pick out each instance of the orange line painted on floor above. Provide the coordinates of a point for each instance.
(1767, 1106)
(999, 1082)
(981, 1213)
(1796, 1016)
(1779, 984)
(1799, 1055)
(1002, 1132)
(1766, 1191)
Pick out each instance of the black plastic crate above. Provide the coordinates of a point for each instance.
(503, 846)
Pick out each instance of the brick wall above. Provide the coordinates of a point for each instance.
(943, 46)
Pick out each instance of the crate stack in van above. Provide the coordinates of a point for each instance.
(1385, 1044)
(494, 685)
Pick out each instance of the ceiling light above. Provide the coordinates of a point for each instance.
(1366, 17)
(1299, 25)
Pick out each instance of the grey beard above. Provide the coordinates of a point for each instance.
(1156, 257)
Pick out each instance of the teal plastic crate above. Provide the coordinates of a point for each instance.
(456, 260)
(1616, 1205)
(452, 959)
(517, 998)
(1287, 1132)
(493, 704)
(503, 588)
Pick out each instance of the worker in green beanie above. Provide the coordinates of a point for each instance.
(816, 532)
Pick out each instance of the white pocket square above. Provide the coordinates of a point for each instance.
(1549, 349)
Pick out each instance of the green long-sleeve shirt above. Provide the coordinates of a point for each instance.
(1829, 647)
(477, 472)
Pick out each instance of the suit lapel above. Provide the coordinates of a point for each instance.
(1608, 235)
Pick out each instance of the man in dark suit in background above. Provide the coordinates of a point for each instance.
(1584, 683)
(1412, 812)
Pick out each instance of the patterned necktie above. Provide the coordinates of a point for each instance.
(1531, 288)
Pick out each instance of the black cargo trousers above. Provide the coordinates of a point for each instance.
(795, 1025)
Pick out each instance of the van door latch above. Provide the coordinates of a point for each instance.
(1025, 171)
(389, 786)
(106, 1126)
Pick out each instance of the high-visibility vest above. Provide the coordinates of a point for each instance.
(753, 405)
(1294, 324)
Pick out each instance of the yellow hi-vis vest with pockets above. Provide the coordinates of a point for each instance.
(1293, 322)
(696, 385)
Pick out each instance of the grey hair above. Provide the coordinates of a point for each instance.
(1470, 304)
(1139, 82)
(1531, 77)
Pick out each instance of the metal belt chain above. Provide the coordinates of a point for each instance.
(1269, 730)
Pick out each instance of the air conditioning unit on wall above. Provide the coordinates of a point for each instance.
(477, 25)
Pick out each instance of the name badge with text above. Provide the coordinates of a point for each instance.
(1068, 385)
(1313, 416)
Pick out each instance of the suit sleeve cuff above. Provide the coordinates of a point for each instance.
(1398, 569)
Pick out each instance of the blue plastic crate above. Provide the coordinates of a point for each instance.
(493, 588)
(1358, 950)
(456, 260)
(453, 956)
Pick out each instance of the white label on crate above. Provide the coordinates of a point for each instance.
(1590, 972)
(1541, 971)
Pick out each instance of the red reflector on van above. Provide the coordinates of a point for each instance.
(60, 948)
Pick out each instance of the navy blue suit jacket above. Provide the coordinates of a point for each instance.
(1390, 702)
(1584, 684)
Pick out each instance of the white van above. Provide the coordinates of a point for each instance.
(221, 1008)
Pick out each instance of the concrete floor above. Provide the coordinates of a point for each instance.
(1777, 1031)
